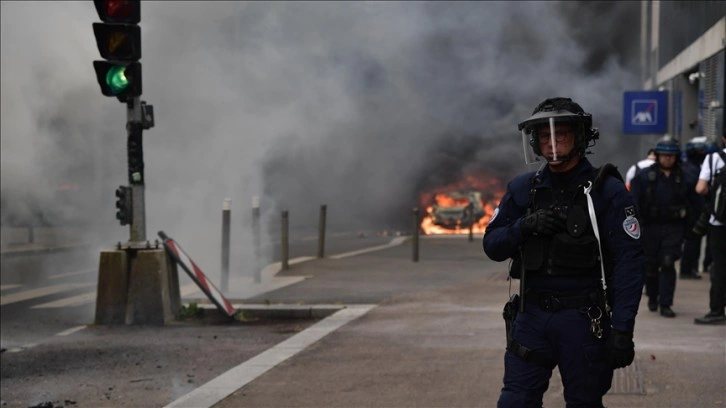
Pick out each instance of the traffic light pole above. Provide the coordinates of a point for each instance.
(135, 124)
(137, 282)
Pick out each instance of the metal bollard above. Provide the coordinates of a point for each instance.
(31, 234)
(257, 238)
(284, 242)
(415, 234)
(226, 216)
(471, 222)
(321, 232)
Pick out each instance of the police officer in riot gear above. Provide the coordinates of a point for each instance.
(668, 204)
(580, 281)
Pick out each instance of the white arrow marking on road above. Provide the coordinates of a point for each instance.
(34, 293)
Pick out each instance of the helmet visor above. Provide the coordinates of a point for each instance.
(533, 142)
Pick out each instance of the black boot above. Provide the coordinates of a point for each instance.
(666, 311)
(712, 317)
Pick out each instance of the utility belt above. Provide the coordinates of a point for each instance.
(665, 214)
(553, 303)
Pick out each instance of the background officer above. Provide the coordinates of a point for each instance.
(543, 224)
(696, 150)
(711, 170)
(667, 201)
(640, 165)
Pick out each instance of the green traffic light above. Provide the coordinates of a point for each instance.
(116, 79)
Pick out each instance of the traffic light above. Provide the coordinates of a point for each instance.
(119, 42)
(118, 80)
(119, 11)
(124, 204)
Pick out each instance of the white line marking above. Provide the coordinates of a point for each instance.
(10, 286)
(21, 348)
(219, 388)
(71, 331)
(72, 301)
(394, 242)
(63, 275)
(39, 292)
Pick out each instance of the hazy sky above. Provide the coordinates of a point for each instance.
(355, 105)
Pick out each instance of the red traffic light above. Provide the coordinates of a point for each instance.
(119, 11)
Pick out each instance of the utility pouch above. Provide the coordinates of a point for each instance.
(510, 314)
(568, 252)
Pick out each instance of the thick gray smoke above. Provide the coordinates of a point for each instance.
(355, 105)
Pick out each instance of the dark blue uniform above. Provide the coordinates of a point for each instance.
(667, 204)
(564, 335)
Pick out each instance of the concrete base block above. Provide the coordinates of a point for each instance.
(112, 290)
(153, 292)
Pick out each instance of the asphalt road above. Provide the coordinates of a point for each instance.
(44, 294)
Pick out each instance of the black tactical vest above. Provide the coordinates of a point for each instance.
(655, 212)
(570, 253)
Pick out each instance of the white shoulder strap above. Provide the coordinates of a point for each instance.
(593, 221)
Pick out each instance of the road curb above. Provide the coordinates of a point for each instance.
(282, 311)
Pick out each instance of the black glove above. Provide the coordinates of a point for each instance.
(699, 228)
(620, 349)
(542, 222)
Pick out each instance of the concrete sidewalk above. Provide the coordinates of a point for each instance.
(436, 339)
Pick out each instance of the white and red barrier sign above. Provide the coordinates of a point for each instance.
(197, 275)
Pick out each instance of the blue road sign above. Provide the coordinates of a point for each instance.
(645, 112)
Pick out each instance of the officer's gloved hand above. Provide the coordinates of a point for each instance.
(620, 349)
(542, 222)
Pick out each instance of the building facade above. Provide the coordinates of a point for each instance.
(682, 52)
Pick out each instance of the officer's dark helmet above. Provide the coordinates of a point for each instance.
(564, 111)
(668, 145)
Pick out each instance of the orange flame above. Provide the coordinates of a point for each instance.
(454, 197)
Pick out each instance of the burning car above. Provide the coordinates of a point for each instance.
(457, 209)
(461, 206)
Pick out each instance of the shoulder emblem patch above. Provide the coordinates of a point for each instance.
(631, 224)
